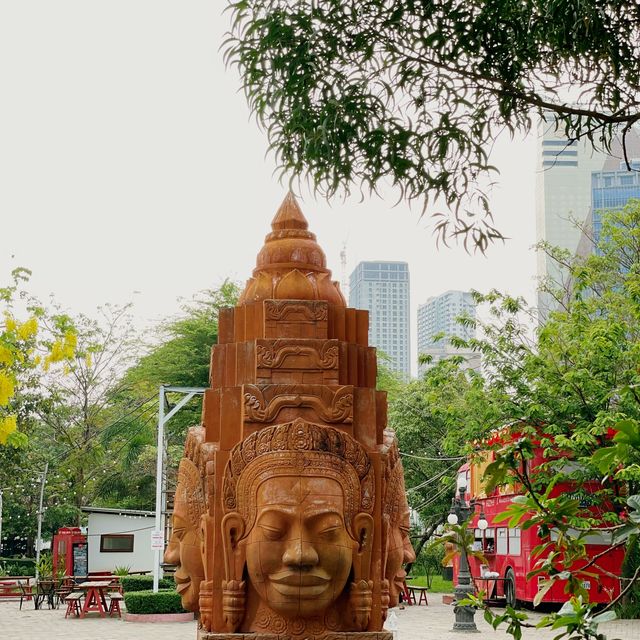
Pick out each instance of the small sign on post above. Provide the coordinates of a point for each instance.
(157, 540)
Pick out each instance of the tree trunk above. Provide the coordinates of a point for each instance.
(428, 532)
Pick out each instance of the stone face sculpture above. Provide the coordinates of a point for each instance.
(294, 462)
(185, 545)
(299, 499)
(396, 515)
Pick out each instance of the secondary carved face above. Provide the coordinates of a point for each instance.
(400, 552)
(185, 545)
(299, 552)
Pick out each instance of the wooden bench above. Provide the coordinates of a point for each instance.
(72, 600)
(10, 586)
(423, 594)
(114, 604)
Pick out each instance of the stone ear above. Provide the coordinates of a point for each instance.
(363, 533)
(233, 587)
(361, 592)
(232, 532)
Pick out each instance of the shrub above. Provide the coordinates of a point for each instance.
(19, 566)
(428, 564)
(143, 583)
(165, 601)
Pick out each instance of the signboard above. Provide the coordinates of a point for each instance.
(80, 560)
(157, 540)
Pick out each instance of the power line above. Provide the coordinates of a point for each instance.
(100, 431)
(438, 459)
(432, 479)
(436, 497)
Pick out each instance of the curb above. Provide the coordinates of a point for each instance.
(158, 617)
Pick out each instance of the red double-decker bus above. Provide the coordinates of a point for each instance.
(508, 551)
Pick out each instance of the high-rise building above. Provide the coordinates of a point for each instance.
(612, 189)
(383, 289)
(564, 193)
(439, 316)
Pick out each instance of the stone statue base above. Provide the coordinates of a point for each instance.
(329, 635)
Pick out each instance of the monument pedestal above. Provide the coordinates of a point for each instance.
(328, 635)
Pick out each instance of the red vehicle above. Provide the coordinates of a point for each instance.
(508, 550)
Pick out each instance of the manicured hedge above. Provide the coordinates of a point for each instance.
(20, 566)
(165, 601)
(142, 583)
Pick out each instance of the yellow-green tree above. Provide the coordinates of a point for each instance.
(30, 342)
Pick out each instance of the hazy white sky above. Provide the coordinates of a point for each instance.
(129, 163)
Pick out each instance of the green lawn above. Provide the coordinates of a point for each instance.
(438, 584)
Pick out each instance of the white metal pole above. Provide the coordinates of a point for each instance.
(0, 522)
(159, 461)
(39, 534)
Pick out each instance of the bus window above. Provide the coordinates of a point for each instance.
(477, 540)
(490, 541)
(514, 542)
(463, 480)
(478, 467)
(501, 542)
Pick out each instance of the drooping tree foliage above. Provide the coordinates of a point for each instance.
(363, 93)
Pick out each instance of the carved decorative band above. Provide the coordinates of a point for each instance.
(274, 356)
(280, 309)
(338, 409)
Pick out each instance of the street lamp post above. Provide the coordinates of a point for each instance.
(464, 615)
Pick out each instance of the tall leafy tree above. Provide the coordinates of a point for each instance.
(32, 339)
(179, 355)
(428, 416)
(363, 93)
(74, 407)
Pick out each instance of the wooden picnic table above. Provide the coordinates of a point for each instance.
(95, 599)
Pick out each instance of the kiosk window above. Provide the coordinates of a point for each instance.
(116, 543)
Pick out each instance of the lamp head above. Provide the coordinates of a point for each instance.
(452, 518)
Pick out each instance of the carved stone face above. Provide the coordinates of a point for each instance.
(299, 553)
(184, 548)
(400, 552)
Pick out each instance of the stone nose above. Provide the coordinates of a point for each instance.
(409, 553)
(172, 553)
(300, 554)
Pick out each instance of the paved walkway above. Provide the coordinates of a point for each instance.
(414, 623)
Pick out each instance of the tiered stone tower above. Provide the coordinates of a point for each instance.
(294, 534)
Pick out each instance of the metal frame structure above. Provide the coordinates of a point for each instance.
(189, 393)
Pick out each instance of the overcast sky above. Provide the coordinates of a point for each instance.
(131, 170)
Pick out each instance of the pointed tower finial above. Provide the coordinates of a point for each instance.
(289, 215)
(291, 265)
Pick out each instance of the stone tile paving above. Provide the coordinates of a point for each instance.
(435, 621)
(414, 623)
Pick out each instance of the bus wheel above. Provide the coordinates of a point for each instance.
(510, 587)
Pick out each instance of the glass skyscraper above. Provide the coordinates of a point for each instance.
(383, 289)
(439, 315)
(612, 190)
